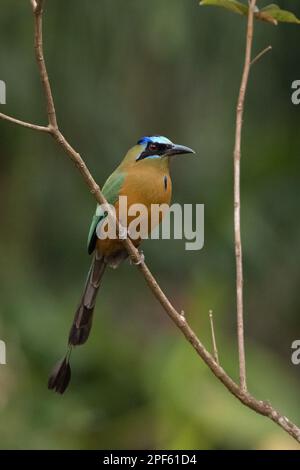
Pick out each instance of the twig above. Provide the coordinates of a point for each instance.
(237, 197)
(39, 53)
(263, 408)
(259, 56)
(34, 127)
(213, 336)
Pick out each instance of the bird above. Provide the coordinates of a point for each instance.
(143, 176)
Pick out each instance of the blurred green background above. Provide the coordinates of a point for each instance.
(121, 70)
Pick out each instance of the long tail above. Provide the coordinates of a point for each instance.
(81, 326)
(83, 319)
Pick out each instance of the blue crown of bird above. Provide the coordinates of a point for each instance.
(143, 177)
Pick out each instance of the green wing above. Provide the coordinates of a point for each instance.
(111, 190)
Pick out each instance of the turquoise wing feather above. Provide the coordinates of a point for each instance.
(111, 190)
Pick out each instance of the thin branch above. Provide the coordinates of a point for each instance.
(237, 197)
(213, 336)
(34, 127)
(263, 408)
(260, 55)
(38, 6)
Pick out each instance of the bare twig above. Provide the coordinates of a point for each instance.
(39, 53)
(263, 408)
(237, 197)
(213, 336)
(260, 55)
(29, 125)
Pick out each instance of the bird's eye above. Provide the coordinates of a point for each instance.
(152, 147)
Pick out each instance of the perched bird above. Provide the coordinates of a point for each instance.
(143, 177)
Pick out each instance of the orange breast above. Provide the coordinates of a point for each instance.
(148, 186)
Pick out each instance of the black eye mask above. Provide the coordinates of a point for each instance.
(154, 149)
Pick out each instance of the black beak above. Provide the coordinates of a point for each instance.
(179, 150)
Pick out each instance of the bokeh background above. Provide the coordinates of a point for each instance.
(121, 70)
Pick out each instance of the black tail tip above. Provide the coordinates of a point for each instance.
(79, 336)
(60, 376)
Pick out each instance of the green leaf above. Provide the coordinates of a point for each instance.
(283, 16)
(231, 5)
(271, 13)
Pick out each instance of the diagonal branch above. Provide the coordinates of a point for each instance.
(263, 408)
(260, 55)
(28, 125)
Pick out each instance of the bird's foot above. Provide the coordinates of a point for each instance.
(140, 261)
